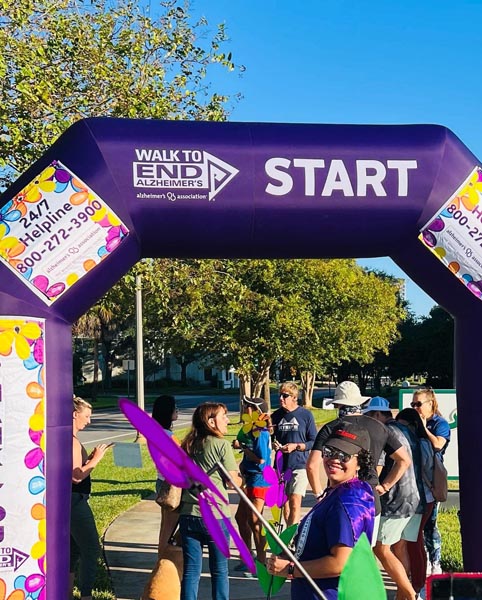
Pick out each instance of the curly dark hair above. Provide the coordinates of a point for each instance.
(365, 462)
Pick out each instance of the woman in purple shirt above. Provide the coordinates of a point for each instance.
(328, 533)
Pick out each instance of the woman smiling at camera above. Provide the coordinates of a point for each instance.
(328, 533)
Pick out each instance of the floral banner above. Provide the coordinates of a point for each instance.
(22, 459)
(454, 233)
(55, 231)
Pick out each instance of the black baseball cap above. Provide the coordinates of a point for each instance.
(349, 438)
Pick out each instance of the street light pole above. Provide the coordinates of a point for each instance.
(139, 344)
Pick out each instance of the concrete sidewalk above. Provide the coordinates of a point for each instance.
(130, 545)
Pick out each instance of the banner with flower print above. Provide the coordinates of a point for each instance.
(22, 459)
(55, 231)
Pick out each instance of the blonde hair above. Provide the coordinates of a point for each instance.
(290, 387)
(80, 404)
(430, 395)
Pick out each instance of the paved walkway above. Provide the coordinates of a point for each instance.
(130, 546)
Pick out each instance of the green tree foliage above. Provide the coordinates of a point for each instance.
(425, 349)
(354, 315)
(64, 60)
(249, 313)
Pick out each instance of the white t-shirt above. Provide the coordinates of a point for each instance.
(170, 434)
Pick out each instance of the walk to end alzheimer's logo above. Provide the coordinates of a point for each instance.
(180, 174)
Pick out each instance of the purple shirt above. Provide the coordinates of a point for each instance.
(340, 518)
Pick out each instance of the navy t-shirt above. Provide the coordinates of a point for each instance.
(295, 427)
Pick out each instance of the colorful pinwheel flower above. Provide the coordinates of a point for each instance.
(254, 423)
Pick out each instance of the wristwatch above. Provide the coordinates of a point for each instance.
(291, 570)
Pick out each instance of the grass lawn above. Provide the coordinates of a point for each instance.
(115, 489)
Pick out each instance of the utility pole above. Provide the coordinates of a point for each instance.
(139, 344)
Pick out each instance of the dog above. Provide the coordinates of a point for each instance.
(164, 582)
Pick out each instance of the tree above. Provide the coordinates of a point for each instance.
(436, 333)
(64, 60)
(354, 315)
(425, 349)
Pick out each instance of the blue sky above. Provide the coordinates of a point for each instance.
(357, 62)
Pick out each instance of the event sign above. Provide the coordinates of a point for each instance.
(447, 403)
(23, 535)
(55, 231)
(454, 233)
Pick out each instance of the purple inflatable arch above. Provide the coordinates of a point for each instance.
(110, 192)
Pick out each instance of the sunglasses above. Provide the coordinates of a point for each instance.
(284, 395)
(329, 452)
(418, 404)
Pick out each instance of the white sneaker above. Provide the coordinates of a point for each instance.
(436, 568)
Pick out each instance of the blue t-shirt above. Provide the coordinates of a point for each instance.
(340, 518)
(438, 426)
(295, 427)
(253, 471)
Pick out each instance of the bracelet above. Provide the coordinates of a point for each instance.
(291, 570)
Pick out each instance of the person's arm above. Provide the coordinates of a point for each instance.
(81, 471)
(229, 462)
(437, 441)
(314, 462)
(311, 434)
(439, 437)
(313, 466)
(319, 568)
(401, 462)
(238, 480)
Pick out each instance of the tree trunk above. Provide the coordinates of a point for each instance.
(267, 394)
(308, 385)
(262, 377)
(244, 390)
(184, 373)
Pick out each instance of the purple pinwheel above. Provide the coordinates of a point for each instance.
(277, 478)
(178, 469)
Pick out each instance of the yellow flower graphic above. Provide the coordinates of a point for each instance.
(15, 334)
(254, 423)
(43, 183)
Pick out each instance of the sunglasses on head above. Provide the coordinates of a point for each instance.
(284, 395)
(329, 452)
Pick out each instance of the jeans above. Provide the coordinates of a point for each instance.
(84, 542)
(194, 536)
(432, 537)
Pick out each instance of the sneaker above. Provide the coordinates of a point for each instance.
(436, 568)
